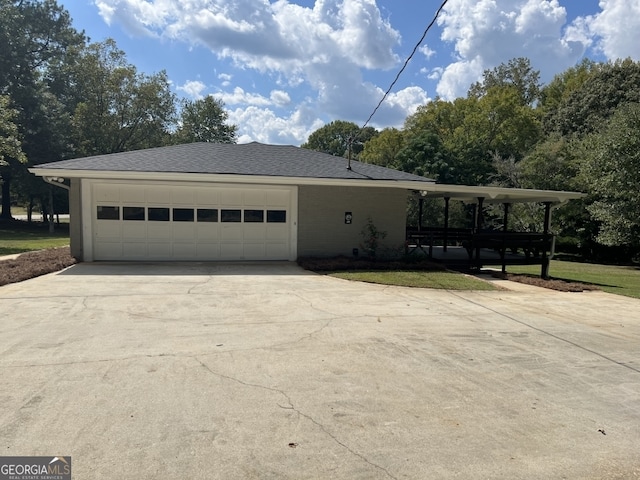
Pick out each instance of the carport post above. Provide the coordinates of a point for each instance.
(505, 222)
(420, 206)
(544, 271)
(446, 222)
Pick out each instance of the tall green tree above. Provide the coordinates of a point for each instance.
(204, 120)
(612, 171)
(118, 109)
(338, 136)
(35, 36)
(516, 73)
(586, 108)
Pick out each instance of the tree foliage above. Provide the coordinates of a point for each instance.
(117, 108)
(338, 136)
(612, 170)
(204, 120)
(597, 91)
(517, 74)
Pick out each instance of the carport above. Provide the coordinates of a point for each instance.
(476, 245)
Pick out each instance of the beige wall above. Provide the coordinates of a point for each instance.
(321, 212)
(75, 219)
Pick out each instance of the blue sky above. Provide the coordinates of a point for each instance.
(285, 68)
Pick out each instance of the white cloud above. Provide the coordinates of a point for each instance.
(226, 79)
(280, 98)
(616, 28)
(263, 125)
(192, 88)
(321, 49)
(427, 52)
(240, 97)
(486, 33)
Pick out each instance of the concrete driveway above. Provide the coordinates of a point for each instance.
(270, 372)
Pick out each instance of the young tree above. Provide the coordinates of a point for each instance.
(204, 121)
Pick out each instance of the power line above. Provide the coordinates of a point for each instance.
(415, 49)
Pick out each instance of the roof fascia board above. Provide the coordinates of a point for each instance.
(228, 178)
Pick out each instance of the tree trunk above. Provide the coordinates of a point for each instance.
(6, 195)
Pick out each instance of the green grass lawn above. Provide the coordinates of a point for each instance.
(441, 280)
(16, 238)
(612, 279)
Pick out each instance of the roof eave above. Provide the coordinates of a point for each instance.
(228, 178)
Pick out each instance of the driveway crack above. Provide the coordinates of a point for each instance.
(290, 406)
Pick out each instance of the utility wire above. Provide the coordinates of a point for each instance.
(384, 97)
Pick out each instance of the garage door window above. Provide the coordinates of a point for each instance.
(207, 215)
(158, 214)
(133, 213)
(183, 214)
(276, 216)
(234, 216)
(108, 213)
(254, 216)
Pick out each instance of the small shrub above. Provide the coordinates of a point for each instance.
(371, 238)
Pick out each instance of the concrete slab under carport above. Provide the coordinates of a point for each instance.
(267, 371)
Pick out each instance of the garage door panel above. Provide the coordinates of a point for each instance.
(253, 198)
(207, 196)
(134, 251)
(253, 232)
(184, 232)
(277, 232)
(108, 250)
(184, 251)
(132, 194)
(231, 233)
(230, 197)
(159, 250)
(159, 231)
(208, 233)
(277, 198)
(108, 229)
(182, 196)
(231, 251)
(208, 251)
(106, 193)
(254, 251)
(276, 251)
(134, 231)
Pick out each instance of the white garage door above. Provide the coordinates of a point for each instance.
(165, 222)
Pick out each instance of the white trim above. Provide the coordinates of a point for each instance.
(431, 189)
(293, 241)
(86, 209)
(228, 178)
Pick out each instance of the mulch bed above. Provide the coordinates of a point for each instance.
(33, 264)
(347, 264)
(552, 283)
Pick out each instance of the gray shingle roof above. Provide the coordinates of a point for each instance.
(244, 159)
